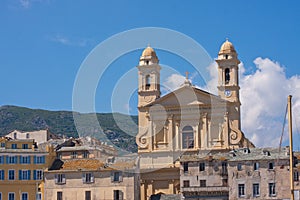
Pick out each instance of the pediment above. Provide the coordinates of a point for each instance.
(188, 96)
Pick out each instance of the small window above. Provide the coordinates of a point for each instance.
(24, 146)
(272, 191)
(224, 168)
(39, 159)
(27, 135)
(255, 190)
(2, 144)
(59, 196)
(186, 183)
(256, 166)
(15, 135)
(296, 176)
(11, 174)
(14, 146)
(39, 196)
(24, 196)
(11, 196)
(38, 174)
(0, 195)
(188, 137)
(185, 167)
(24, 159)
(60, 179)
(11, 159)
(227, 75)
(88, 195)
(87, 178)
(1, 159)
(241, 188)
(148, 82)
(225, 182)
(239, 167)
(117, 176)
(74, 154)
(202, 167)
(85, 154)
(24, 174)
(2, 175)
(118, 195)
(202, 183)
(271, 165)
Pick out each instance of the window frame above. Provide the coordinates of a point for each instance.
(241, 190)
(59, 195)
(11, 193)
(256, 166)
(88, 177)
(203, 183)
(239, 166)
(88, 195)
(60, 179)
(9, 175)
(271, 165)
(202, 166)
(24, 193)
(187, 137)
(255, 190)
(272, 189)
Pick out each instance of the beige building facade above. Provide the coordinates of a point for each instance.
(186, 120)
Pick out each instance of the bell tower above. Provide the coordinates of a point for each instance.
(228, 77)
(148, 77)
(148, 83)
(228, 73)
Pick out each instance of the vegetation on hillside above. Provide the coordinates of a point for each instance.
(115, 128)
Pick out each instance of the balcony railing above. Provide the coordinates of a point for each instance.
(205, 189)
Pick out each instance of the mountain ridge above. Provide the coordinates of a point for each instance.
(115, 128)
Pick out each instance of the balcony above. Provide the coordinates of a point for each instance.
(205, 189)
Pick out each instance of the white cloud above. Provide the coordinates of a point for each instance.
(25, 3)
(173, 82)
(264, 97)
(81, 42)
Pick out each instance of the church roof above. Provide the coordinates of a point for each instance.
(195, 96)
(227, 47)
(149, 51)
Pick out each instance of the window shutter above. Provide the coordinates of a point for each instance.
(7, 159)
(120, 195)
(112, 176)
(43, 159)
(16, 159)
(92, 178)
(34, 174)
(63, 178)
(120, 176)
(56, 178)
(20, 174)
(29, 159)
(29, 174)
(34, 159)
(21, 160)
(83, 177)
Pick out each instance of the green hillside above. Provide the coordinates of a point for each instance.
(117, 128)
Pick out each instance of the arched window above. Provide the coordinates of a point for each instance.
(227, 75)
(187, 137)
(148, 82)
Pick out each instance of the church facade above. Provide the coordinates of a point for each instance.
(185, 121)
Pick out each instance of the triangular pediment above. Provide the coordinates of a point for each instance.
(188, 96)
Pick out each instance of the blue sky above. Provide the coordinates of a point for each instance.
(44, 42)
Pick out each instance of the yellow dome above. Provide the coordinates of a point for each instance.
(149, 52)
(227, 47)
